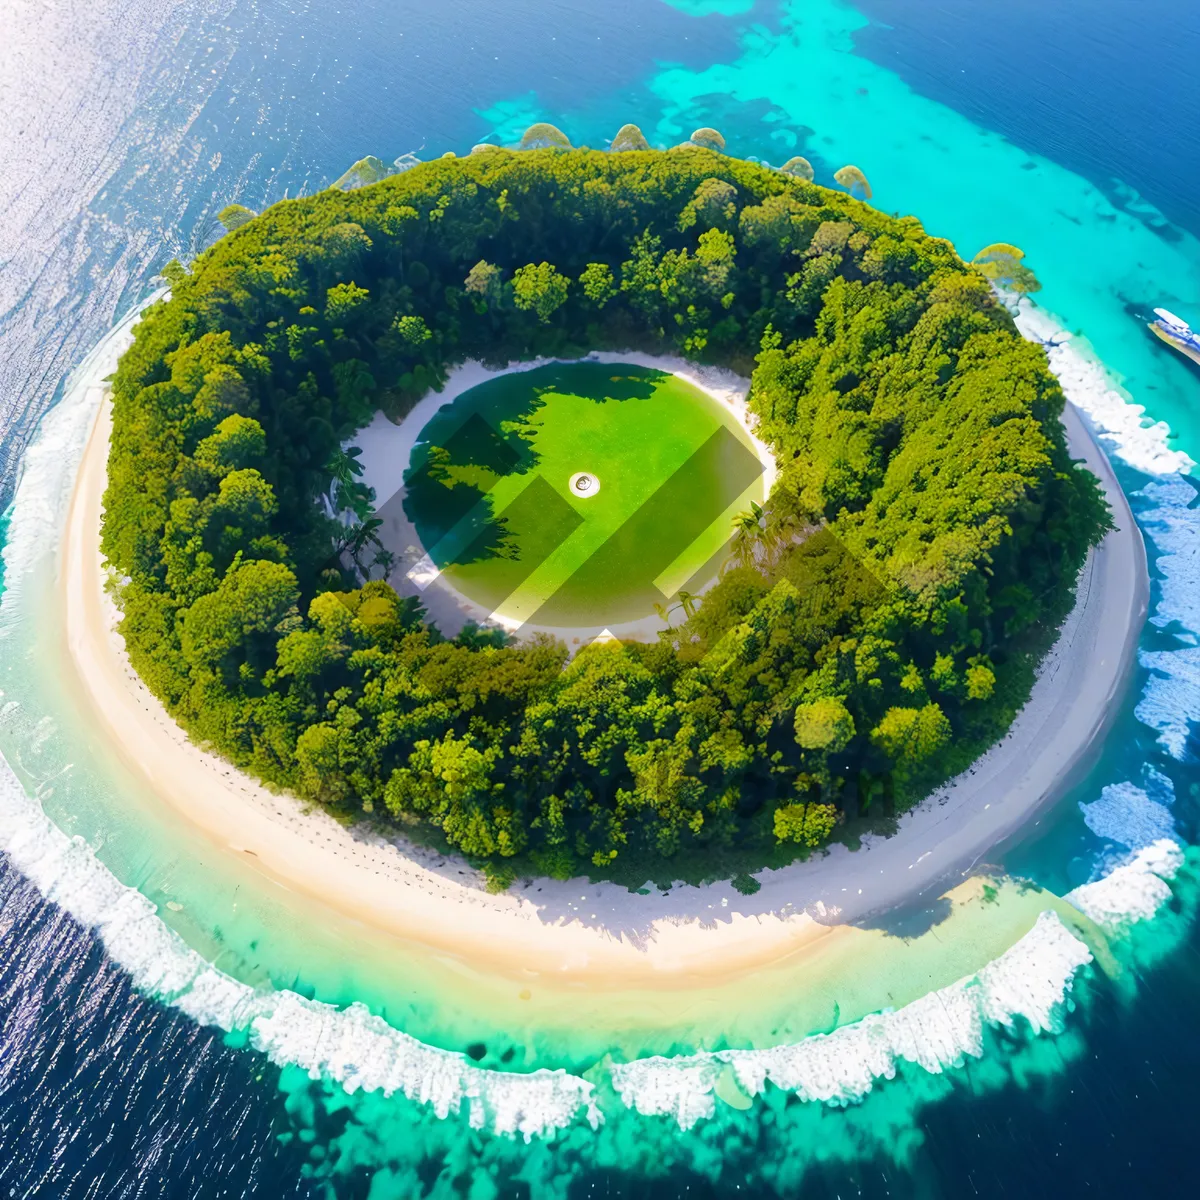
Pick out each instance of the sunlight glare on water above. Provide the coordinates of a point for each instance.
(126, 128)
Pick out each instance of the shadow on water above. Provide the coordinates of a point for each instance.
(910, 921)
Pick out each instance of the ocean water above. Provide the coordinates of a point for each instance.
(1066, 1065)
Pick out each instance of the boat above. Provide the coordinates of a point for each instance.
(1176, 332)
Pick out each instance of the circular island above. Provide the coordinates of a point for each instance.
(823, 653)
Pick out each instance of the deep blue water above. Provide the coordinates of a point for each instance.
(121, 165)
(1109, 90)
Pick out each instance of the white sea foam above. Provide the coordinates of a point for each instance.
(1172, 523)
(1125, 813)
(1087, 383)
(1170, 702)
(360, 1051)
(350, 1046)
(1132, 892)
(49, 463)
(1030, 980)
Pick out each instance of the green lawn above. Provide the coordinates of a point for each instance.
(487, 490)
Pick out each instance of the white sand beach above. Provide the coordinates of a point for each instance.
(576, 931)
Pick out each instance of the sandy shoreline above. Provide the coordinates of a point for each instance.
(306, 850)
(600, 934)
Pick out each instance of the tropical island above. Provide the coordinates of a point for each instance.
(872, 627)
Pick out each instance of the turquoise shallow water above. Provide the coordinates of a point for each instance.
(778, 80)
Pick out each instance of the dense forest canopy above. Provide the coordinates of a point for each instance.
(926, 517)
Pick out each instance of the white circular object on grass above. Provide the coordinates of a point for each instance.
(584, 485)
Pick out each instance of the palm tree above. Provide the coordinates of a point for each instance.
(345, 469)
(357, 539)
(747, 536)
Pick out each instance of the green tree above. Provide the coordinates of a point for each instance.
(234, 216)
(237, 442)
(250, 601)
(413, 330)
(598, 283)
(805, 824)
(541, 288)
(824, 724)
(912, 735)
(713, 203)
(342, 300)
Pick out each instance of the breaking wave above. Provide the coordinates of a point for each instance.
(1167, 513)
(1031, 980)
(350, 1046)
(1170, 702)
(1086, 382)
(1133, 892)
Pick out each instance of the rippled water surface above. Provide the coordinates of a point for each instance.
(1069, 129)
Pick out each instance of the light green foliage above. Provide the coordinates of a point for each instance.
(830, 237)
(234, 216)
(980, 681)
(598, 283)
(715, 254)
(175, 273)
(927, 521)
(542, 136)
(251, 599)
(824, 724)
(237, 442)
(540, 287)
(714, 203)
(779, 223)
(345, 245)
(805, 824)
(450, 781)
(629, 137)
(413, 330)
(911, 735)
(342, 299)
